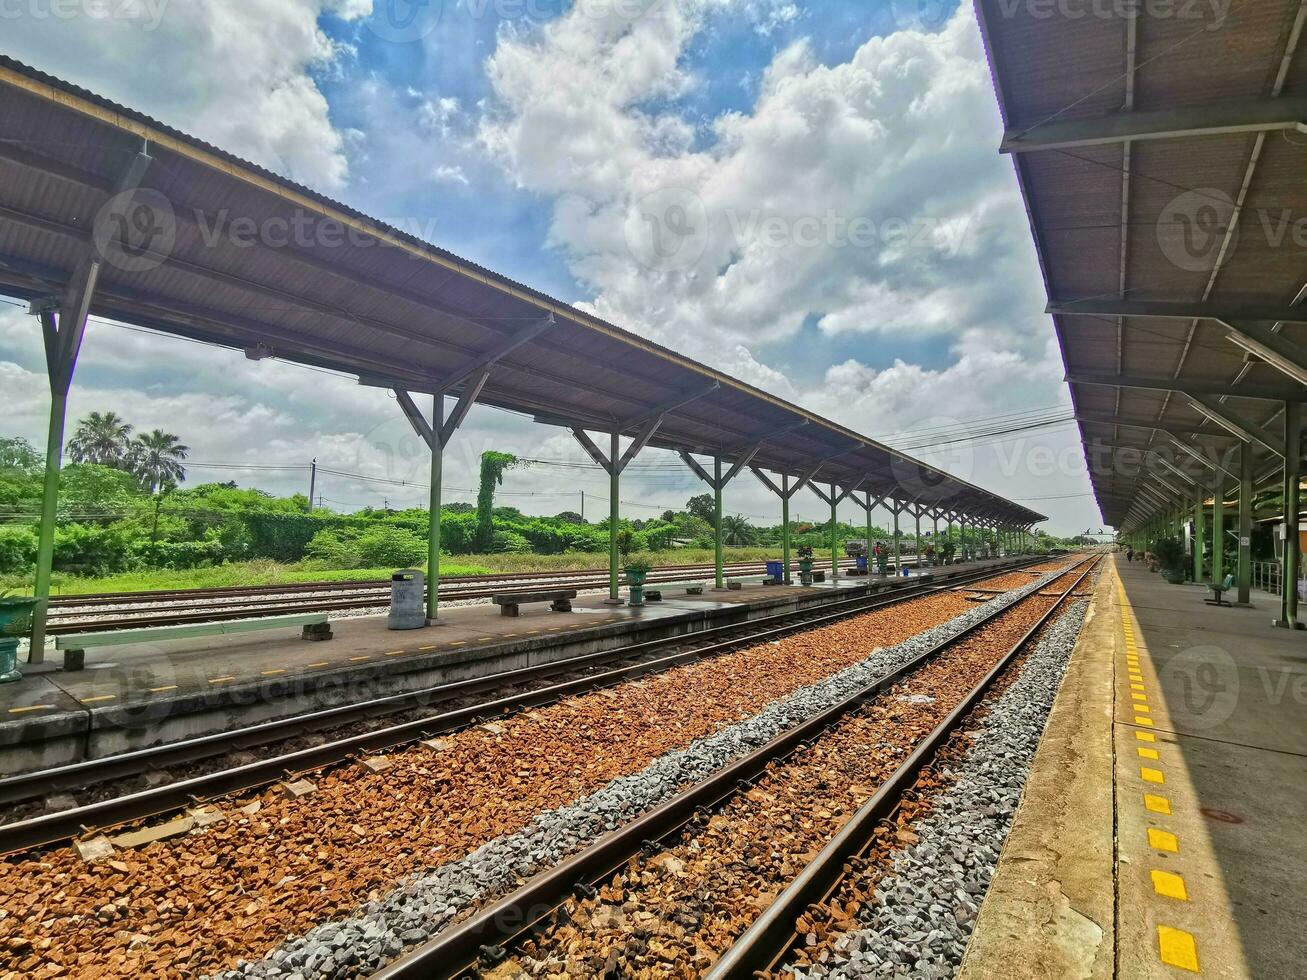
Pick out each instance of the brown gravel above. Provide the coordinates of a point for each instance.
(200, 902)
(673, 914)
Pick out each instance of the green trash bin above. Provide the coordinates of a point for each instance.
(15, 623)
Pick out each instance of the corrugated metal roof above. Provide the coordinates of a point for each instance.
(1125, 219)
(347, 292)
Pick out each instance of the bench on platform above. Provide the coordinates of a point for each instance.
(560, 600)
(737, 582)
(75, 645)
(1218, 591)
(654, 593)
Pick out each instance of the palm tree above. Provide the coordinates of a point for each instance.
(156, 459)
(103, 439)
(737, 530)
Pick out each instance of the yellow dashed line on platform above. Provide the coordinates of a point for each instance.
(1151, 775)
(1147, 753)
(1176, 948)
(459, 643)
(220, 680)
(324, 663)
(272, 673)
(98, 698)
(1157, 804)
(1141, 720)
(431, 647)
(358, 660)
(1145, 737)
(166, 687)
(1136, 686)
(31, 707)
(1163, 840)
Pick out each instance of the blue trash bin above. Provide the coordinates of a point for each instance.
(862, 563)
(776, 571)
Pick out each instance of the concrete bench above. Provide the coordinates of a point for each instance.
(654, 592)
(560, 600)
(737, 582)
(75, 645)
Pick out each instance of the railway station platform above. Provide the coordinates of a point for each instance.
(1160, 830)
(134, 696)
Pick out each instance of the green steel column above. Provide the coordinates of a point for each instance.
(898, 548)
(717, 518)
(918, 562)
(433, 511)
(614, 514)
(1218, 529)
(54, 450)
(1245, 565)
(1198, 538)
(785, 526)
(1292, 504)
(939, 551)
(834, 537)
(869, 559)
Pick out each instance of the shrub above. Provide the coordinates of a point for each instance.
(17, 549)
(390, 547)
(510, 542)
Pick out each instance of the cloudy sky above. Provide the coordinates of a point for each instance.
(863, 249)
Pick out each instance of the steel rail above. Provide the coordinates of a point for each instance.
(771, 937)
(131, 808)
(457, 951)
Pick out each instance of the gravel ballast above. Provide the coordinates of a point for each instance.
(425, 905)
(922, 913)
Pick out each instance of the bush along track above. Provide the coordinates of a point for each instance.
(427, 904)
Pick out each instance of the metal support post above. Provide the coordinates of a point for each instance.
(1293, 429)
(614, 516)
(785, 526)
(917, 516)
(717, 519)
(834, 536)
(1198, 538)
(868, 549)
(433, 512)
(898, 548)
(1244, 574)
(1218, 528)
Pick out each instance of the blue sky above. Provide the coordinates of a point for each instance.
(532, 144)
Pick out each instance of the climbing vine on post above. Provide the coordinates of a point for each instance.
(493, 466)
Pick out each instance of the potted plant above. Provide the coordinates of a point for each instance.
(637, 568)
(15, 623)
(805, 564)
(1168, 554)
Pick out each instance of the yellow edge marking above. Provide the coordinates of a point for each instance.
(484, 639)
(1136, 677)
(355, 660)
(1136, 687)
(324, 663)
(166, 687)
(554, 628)
(1151, 775)
(1136, 696)
(1141, 720)
(459, 643)
(506, 635)
(273, 673)
(432, 647)
(395, 653)
(1176, 948)
(1169, 885)
(31, 707)
(1163, 840)
(98, 698)
(1157, 804)
(532, 632)
(1147, 753)
(220, 680)
(1145, 737)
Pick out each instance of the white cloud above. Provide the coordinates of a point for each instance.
(240, 75)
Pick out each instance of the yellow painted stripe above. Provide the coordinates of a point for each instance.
(459, 643)
(1145, 737)
(396, 653)
(1147, 753)
(1163, 840)
(272, 673)
(1169, 885)
(507, 635)
(166, 687)
(323, 663)
(220, 680)
(1136, 696)
(31, 707)
(432, 647)
(1157, 804)
(1136, 677)
(1177, 948)
(1150, 775)
(356, 660)
(1136, 687)
(1141, 720)
(98, 698)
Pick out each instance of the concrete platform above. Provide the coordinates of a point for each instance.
(1160, 830)
(133, 696)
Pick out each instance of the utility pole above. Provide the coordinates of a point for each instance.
(582, 506)
(313, 480)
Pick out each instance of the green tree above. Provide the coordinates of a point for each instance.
(493, 465)
(20, 455)
(103, 439)
(737, 530)
(156, 459)
(704, 508)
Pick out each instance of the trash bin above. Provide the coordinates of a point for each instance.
(408, 597)
(776, 571)
(862, 563)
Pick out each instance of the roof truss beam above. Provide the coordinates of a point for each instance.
(1147, 382)
(1248, 116)
(1235, 423)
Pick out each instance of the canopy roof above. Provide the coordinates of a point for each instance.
(1161, 157)
(237, 256)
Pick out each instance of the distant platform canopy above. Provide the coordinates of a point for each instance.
(1161, 153)
(195, 242)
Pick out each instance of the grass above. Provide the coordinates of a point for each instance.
(266, 572)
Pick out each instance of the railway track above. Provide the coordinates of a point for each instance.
(662, 892)
(351, 730)
(135, 610)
